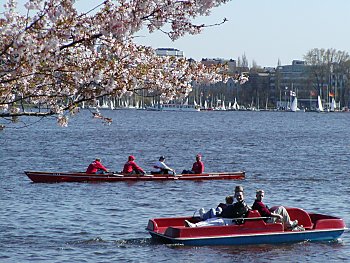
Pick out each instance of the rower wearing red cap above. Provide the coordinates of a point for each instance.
(130, 167)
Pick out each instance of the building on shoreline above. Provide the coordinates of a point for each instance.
(169, 52)
(274, 88)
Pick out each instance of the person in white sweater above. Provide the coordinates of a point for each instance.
(161, 168)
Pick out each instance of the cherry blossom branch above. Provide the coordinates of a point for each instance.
(60, 58)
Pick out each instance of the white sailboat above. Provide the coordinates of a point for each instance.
(175, 106)
(223, 105)
(235, 105)
(333, 105)
(104, 104)
(320, 107)
(111, 104)
(294, 105)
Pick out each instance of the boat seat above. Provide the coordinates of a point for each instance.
(253, 213)
(301, 215)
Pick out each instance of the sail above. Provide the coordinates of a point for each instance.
(320, 107)
(235, 105)
(333, 105)
(294, 106)
(104, 104)
(111, 104)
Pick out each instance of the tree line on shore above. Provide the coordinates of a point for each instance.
(323, 72)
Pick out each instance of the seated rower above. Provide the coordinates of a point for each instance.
(161, 168)
(197, 167)
(96, 167)
(130, 167)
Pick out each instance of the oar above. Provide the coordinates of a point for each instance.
(116, 174)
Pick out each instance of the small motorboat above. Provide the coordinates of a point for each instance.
(250, 230)
(57, 177)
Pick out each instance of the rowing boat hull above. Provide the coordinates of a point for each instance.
(253, 230)
(57, 177)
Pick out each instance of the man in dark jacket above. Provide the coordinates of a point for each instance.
(238, 210)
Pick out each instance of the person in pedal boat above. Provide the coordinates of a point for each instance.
(197, 167)
(238, 210)
(215, 212)
(161, 168)
(96, 167)
(278, 214)
(130, 167)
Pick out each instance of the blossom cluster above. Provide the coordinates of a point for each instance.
(55, 56)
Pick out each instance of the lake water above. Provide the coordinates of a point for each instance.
(300, 159)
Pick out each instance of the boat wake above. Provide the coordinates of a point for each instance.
(119, 243)
(133, 242)
(92, 241)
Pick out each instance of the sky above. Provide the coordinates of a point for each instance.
(265, 31)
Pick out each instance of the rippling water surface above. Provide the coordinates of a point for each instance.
(300, 159)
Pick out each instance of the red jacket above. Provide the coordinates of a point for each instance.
(198, 167)
(261, 207)
(131, 166)
(94, 167)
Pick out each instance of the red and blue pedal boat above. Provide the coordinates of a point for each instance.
(58, 177)
(250, 230)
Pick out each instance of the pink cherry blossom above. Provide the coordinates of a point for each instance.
(55, 56)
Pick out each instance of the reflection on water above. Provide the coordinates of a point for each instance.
(299, 159)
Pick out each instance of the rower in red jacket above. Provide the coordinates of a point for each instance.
(96, 167)
(198, 166)
(130, 167)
